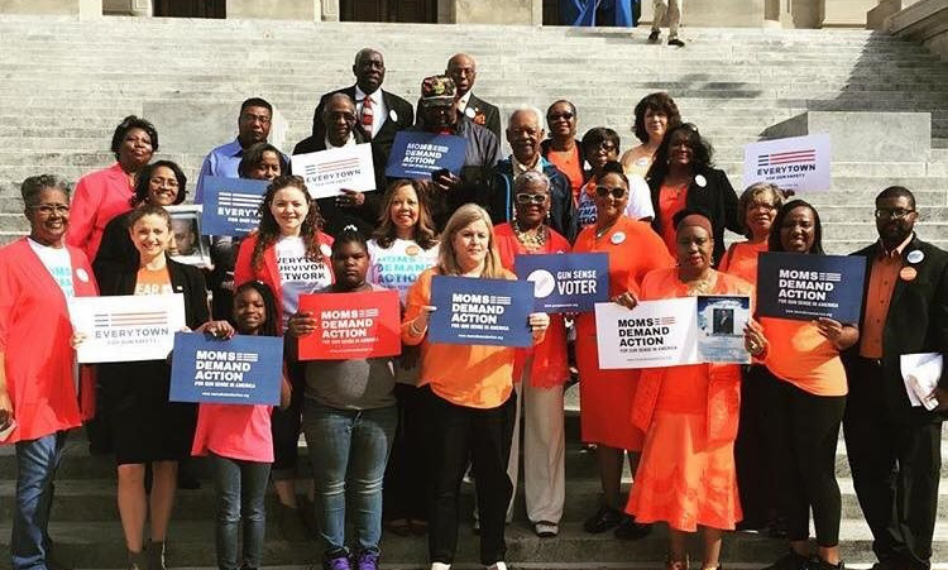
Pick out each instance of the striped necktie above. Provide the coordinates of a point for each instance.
(368, 116)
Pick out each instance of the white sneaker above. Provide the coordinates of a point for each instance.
(497, 566)
(440, 566)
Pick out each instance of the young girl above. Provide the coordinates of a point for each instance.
(239, 443)
(349, 419)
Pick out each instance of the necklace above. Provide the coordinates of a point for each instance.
(605, 230)
(701, 286)
(530, 240)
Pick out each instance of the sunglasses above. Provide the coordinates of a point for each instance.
(618, 192)
(557, 116)
(525, 199)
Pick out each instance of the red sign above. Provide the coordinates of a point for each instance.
(352, 325)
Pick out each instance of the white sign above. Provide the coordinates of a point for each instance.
(653, 334)
(327, 172)
(126, 328)
(801, 164)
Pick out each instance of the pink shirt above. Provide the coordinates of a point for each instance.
(234, 431)
(99, 197)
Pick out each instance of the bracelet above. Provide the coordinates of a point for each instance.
(414, 330)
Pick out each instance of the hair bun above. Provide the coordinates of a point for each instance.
(350, 228)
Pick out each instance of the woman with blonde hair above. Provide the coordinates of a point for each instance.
(469, 396)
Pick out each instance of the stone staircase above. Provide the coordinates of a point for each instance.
(66, 84)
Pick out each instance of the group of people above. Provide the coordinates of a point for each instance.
(712, 446)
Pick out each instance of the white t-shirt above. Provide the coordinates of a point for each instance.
(638, 207)
(400, 265)
(58, 263)
(299, 275)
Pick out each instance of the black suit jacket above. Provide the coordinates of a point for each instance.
(917, 322)
(364, 217)
(485, 115)
(716, 199)
(399, 115)
(121, 278)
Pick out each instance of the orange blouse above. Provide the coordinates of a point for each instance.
(713, 390)
(741, 260)
(797, 353)
(671, 200)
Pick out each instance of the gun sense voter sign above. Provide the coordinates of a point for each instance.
(352, 325)
(566, 283)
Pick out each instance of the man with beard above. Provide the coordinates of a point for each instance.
(379, 114)
(894, 447)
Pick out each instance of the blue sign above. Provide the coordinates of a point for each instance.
(417, 154)
(566, 283)
(805, 287)
(230, 205)
(243, 370)
(481, 311)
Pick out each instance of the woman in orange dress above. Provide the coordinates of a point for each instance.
(686, 476)
(606, 396)
(756, 210)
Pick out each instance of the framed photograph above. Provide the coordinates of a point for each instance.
(189, 245)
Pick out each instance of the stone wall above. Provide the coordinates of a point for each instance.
(924, 21)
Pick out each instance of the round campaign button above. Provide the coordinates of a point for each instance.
(412, 250)
(470, 113)
(618, 238)
(325, 250)
(393, 116)
(643, 161)
(908, 273)
(915, 256)
(82, 275)
(701, 181)
(543, 283)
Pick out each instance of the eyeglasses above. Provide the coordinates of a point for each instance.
(524, 198)
(618, 192)
(894, 213)
(553, 117)
(262, 119)
(606, 146)
(48, 209)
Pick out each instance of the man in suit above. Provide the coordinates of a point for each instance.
(379, 114)
(894, 447)
(340, 129)
(463, 70)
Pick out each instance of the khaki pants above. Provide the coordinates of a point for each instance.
(673, 8)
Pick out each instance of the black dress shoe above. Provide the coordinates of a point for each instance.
(653, 37)
(606, 518)
(676, 42)
(628, 529)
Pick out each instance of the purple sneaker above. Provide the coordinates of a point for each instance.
(338, 562)
(368, 560)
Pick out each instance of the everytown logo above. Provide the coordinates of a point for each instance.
(791, 162)
(238, 204)
(342, 169)
(130, 325)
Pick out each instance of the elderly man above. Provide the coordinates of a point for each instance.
(379, 114)
(894, 447)
(463, 70)
(439, 114)
(339, 120)
(253, 126)
(525, 134)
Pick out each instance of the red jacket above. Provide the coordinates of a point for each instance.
(99, 197)
(35, 335)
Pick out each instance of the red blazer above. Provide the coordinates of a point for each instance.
(35, 337)
(550, 366)
(269, 273)
(724, 385)
(99, 197)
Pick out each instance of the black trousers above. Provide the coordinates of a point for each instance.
(805, 432)
(753, 452)
(896, 467)
(407, 477)
(457, 434)
(285, 426)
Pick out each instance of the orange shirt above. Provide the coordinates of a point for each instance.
(570, 164)
(800, 355)
(671, 200)
(885, 270)
(153, 282)
(741, 260)
(473, 376)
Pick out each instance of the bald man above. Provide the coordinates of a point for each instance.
(463, 70)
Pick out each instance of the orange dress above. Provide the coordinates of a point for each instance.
(686, 476)
(741, 260)
(606, 396)
(671, 200)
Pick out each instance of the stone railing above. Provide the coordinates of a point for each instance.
(923, 21)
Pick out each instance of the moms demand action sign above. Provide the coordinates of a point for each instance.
(243, 370)
(481, 311)
(653, 334)
(417, 154)
(352, 325)
(805, 287)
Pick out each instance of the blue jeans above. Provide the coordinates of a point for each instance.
(349, 450)
(240, 487)
(37, 461)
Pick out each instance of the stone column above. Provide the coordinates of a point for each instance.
(845, 13)
(275, 9)
(84, 9)
(522, 12)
